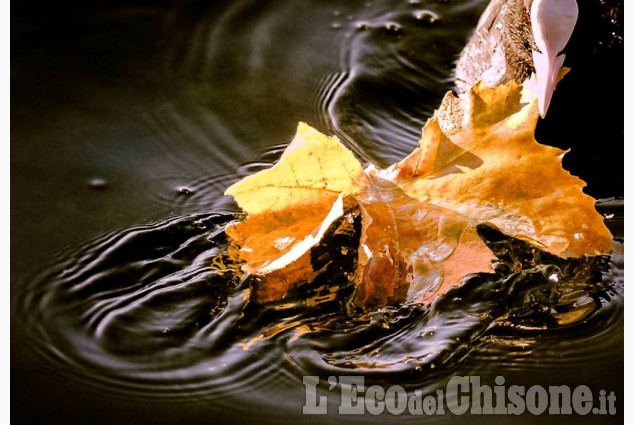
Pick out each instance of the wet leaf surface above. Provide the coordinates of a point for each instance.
(418, 227)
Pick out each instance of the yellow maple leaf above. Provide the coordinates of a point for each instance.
(314, 169)
(290, 206)
(477, 162)
(492, 169)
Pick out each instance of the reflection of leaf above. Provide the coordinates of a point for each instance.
(477, 163)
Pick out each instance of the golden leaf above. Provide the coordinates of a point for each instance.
(290, 206)
(491, 169)
(314, 169)
(477, 162)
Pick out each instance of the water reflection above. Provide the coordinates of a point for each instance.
(142, 311)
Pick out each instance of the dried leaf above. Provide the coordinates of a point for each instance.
(314, 169)
(290, 207)
(477, 162)
(491, 169)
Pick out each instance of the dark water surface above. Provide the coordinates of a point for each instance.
(129, 119)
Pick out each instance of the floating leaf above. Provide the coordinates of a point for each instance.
(313, 170)
(492, 169)
(477, 162)
(291, 206)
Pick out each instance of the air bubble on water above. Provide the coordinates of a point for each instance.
(185, 191)
(336, 25)
(426, 17)
(392, 27)
(98, 183)
(428, 333)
